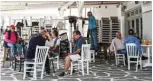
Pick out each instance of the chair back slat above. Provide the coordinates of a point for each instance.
(41, 53)
(85, 52)
(132, 49)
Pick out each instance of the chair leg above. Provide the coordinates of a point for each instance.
(137, 65)
(50, 63)
(24, 75)
(15, 64)
(42, 72)
(20, 65)
(71, 68)
(4, 58)
(57, 63)
(116, 60)
(128, 63)
(124, 59)
(53, 65)
(94, 57)
(87, 68)
(35, 72)
(82, 67)
(140, 63)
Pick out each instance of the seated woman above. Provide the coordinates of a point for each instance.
(54, 43)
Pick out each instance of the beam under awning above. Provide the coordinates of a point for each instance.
(64, 7)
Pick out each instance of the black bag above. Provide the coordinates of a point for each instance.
(5, 44)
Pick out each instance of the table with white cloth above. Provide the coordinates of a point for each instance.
(148, 47)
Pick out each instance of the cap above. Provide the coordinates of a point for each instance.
(12, 26)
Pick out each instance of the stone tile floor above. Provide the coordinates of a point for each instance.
(99, 71)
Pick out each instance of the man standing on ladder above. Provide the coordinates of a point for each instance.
(92, 30)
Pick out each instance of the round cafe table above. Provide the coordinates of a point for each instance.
(148, 53)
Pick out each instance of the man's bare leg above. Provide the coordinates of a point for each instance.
(67, 63)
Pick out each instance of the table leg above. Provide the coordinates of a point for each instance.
(148, 64)
(148, 54)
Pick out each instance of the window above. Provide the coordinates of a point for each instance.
(136, 12)
(140, 11)
(141, 27)
(127, 14)
(132, 24)
(137, 27)
(132, 13)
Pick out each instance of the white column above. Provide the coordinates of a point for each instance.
(24, 22)
(122, 20)
(122, 28)
(80, 8)
(9, 20)
(30, 20)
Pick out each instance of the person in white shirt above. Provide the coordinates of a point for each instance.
(118, 42)
(54, 43)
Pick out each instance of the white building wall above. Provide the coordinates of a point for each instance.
(147, 21)
(146, 17)
(131, 5)
(111, 10)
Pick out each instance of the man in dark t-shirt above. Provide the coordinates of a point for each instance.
(76, 55)
(34, 41)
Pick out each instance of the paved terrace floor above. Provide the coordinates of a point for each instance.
(99, 71)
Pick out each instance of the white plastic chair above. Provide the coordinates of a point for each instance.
(39, 61)
(92, 54)
(118, 57)
(85, 58)
(132, 52)
(57, 61)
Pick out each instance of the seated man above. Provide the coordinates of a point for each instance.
(11, 39)
(133, 39)
(76, 55)
(34, 41)
(118, 43)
